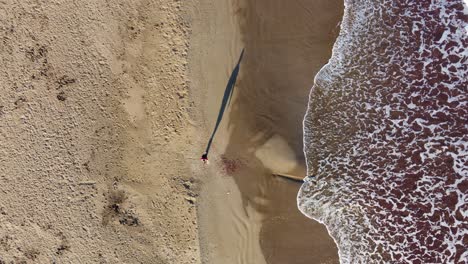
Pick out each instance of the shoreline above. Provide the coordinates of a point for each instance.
(308, 170)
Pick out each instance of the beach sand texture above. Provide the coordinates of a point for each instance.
(105, 107)
(94, 133)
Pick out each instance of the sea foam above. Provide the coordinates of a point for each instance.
(385, 134)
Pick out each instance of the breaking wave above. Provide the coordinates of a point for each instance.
(385, 134)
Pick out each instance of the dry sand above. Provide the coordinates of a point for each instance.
(95, 133)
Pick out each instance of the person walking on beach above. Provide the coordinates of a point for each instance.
(225, 102)
(204, 158)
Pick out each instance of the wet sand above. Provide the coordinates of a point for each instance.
(246, 215)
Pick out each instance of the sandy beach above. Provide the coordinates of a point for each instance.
(106, 107)
(95, 133)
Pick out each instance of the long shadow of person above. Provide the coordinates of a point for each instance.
(224, 104)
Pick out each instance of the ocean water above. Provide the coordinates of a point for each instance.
(386, 134)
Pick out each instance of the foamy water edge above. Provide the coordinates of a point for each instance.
(337, 46)
(323, 76)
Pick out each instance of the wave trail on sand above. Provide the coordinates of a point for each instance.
(385, 134)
